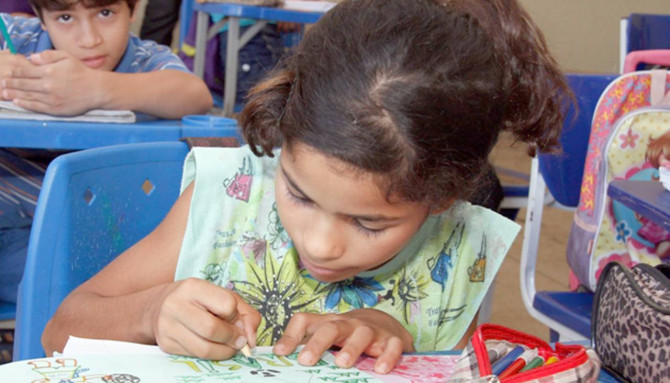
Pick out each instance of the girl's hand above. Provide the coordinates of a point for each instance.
(194, 317)
(368, 331)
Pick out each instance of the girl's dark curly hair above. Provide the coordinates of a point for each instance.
(416, 91)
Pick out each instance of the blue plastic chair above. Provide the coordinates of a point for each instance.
(94, 204)
(648, 31)
(641, 31)
(567, 314)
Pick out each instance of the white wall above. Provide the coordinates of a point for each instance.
(584, 34)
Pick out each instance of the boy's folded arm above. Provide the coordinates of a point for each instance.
(167, 93)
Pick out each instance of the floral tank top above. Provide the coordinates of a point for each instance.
(234, 239)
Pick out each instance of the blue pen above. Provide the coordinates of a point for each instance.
(5, 35)
(501, 364)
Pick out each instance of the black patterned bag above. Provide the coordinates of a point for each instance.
(630, 326)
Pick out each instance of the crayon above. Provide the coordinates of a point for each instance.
(5, 35)
(535, 362)
(550, 360)
(501, 364)
(518, 364)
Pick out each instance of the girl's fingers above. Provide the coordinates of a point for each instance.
(231, 308)
(355, 345)
(208, 312)
(296, 333)
(182, 341)
(250, 319)
(390, 356)
(321, 340)
(218, 301)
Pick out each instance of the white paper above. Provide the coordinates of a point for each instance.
(76, 346)
(85, 346)
(9, 110)
(309, 5)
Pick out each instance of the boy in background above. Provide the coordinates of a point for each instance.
(80, 55)
(77, 55)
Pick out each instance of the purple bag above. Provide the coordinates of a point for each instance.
(9, 6)
(213, 75)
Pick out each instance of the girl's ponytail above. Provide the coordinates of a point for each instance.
(538, 94)
(260, 119)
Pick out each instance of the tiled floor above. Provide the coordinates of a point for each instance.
(552, 269)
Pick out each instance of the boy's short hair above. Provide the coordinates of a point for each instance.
(61, 5)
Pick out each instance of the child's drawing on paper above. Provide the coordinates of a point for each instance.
(68, 370)
(264, 366)
(415, 368)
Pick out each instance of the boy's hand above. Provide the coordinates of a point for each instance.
(57, 84)
(368, 331)
(8, 63)
(197, 318)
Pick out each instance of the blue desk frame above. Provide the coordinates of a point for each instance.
(648, 198)
(232, 15)
(84, 135)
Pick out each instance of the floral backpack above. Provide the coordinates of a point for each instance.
(627, 115)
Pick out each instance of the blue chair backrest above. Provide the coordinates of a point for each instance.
(563, 171)
(648, 31)
(94, 204)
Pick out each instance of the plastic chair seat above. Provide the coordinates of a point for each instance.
(515, 190)
(570, 308)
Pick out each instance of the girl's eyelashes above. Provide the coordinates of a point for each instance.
(366, 230)
(357, 224)
(297, 199)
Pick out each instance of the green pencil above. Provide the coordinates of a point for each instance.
(5, 34)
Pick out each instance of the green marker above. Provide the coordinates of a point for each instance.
(535, 362)
(5, 34)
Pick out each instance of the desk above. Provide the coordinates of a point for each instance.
(84, 135)
(648, 198)
(233, 13)
(163, 368)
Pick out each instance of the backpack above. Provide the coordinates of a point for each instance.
(625, 118)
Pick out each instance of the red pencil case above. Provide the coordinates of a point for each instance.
(490, 343)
